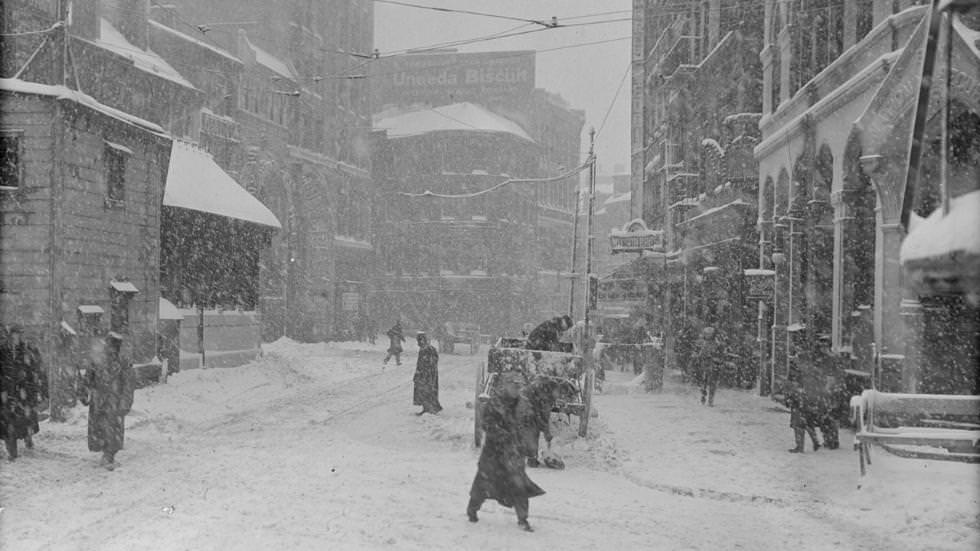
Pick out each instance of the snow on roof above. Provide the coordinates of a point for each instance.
(196, 182)
(271, 62)
(111, 39)
(189, 38)
(466, 117)
(168, 311)
(938, 235)
(62, 92)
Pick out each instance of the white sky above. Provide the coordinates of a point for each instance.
(587, 77)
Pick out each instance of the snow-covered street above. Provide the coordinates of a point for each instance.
(316, 447)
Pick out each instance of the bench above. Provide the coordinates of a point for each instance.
(925, 426)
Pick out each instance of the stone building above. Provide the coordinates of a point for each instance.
(85, 160)
(697, 86)
(840, 85)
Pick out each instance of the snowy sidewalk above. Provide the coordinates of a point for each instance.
(737, 451)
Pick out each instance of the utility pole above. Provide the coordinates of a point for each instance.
(583, 426)
(571, 269)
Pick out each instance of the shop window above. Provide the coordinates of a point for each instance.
(10, 165)
(115, 157)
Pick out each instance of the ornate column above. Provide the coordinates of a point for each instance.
(780, 308)
(897, 369)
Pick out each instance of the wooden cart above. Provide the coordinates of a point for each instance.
(509, 355)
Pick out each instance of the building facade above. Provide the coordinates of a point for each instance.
(519, 274)
(697, 86)
(840, 83)
(305, 121)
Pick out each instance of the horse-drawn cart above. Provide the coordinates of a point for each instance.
(510, 355)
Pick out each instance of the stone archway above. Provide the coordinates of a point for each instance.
(855, 260)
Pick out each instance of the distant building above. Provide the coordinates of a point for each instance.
(461, 123)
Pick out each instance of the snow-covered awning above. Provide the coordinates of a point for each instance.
(196, 182)
(460, 117)
(168, 311)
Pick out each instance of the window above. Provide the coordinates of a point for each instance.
(115, 172)
(121, 293)
(10, 175)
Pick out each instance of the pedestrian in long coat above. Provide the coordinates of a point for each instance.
(500, 471)
(111, 384)
(709, 364)
(547, 335)
(395, 340)
(426, 392)
(23, 389)
(802, 416)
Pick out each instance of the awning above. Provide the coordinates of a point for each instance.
(168, 311)
(196, 182)
(123, 287)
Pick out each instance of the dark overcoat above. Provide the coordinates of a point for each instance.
(426, 392)
(111, 388)
(547, 335)
(22, 388)
(500, 471)
(395, 339)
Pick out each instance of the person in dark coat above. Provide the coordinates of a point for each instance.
(23, 389)
(802, 413)
(547, 335)
(534, 407)
(395, 340)
(500, 471)
(111, 384)
(709, 363)
(426, 393)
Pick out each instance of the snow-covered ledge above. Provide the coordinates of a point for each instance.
(941, 254)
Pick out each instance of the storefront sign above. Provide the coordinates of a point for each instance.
(635, 238)
(760, 284)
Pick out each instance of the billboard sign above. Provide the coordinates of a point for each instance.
(452, 77)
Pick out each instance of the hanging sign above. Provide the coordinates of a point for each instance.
(635, 238)
(761, 283)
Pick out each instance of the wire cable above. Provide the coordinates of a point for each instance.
(613, 102)
(588, 162)
(57, 25)
(553, 22)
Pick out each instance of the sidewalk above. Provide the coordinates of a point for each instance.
(737, 451)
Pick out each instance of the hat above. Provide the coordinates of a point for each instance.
(113, 336)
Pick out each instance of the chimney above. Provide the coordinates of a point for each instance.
(130, 18)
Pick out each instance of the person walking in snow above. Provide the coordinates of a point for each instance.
(500, 473)
(111, 384)
(801, 416)
(426, 391)
(709, 364)
(22, 389)
(395, 340)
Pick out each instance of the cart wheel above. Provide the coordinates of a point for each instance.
(583, 420)
(477, 406)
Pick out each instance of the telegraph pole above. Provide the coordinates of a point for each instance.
(571, 269)
(583, 426)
